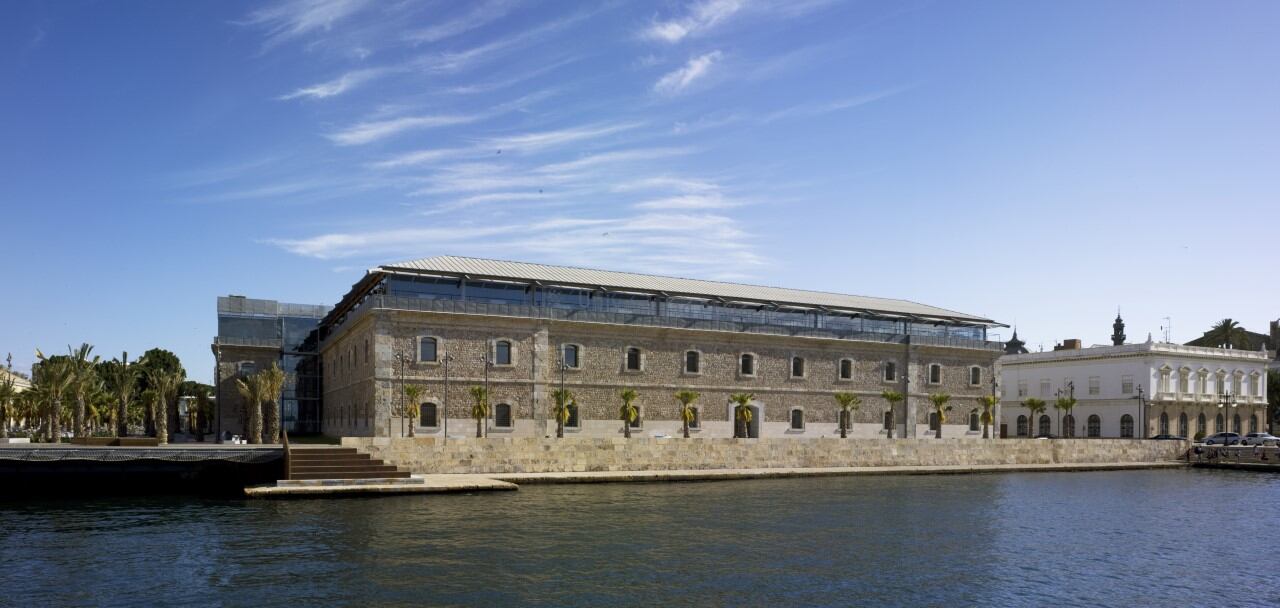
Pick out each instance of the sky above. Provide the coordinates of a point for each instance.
(1038, 163)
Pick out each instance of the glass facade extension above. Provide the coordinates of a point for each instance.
(292, 330)
(652, 305)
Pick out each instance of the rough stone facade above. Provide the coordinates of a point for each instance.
(577, 454)
(233, 363)
(368, 360)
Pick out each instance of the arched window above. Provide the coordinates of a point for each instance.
(692, 362)
(974, 421)
(1164, 423)
(502, 352)
(1069, 426)
(935, 373)
(571, 352)
(1235, 424)
(697, 419)
(1219, 424)
(1253, 423)
(975, 376)
(890, 371)
(573, 416)
(428, 415)
(502, 415)
(846, 369)
(747, 364)
(1095, 426)
(797, 367)
(1183, 428)
(633, 359)
(1200, 425)
(1022, 426)
(427, 350)
(1044, 424)
(797, 420)
(933, 421)
(1126, 426)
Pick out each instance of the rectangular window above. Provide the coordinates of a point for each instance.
(1045, 386)
(691, 361)
(1022, 388)
(797, 367)
(427, 349)
(633, 359)
(502, 353)
(1184, 383)
(890, 371)
(846, 369)
(1095, 385)
(975, 376)
(1126, 385)
(747, 365)
(571, 356)
(935, 374)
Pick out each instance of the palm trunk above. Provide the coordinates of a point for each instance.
(844, 424)
(892, 422)
(985, 427)
(55, 422)
(122, 422)
(79, 419)
(479, 429)
(412, 433)
(559, 428)
(686, 427)
(626, 429)
(272, 415)
(255, 423)
(939, 435)
(162, 422)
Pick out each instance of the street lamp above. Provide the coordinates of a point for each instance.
(447, 359)
(485, 360)
(217, 382)
(1142, 402)
(1226, 401)
(563, 365)
(400, 359)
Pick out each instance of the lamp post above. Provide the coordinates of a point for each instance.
(400, 359)
(484, 359)
(1142, 403)
(996, 430)
(1226, 401)
(217, 382)
(563, 365)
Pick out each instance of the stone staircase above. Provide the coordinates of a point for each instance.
(333, 464)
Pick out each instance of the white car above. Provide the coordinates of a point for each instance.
(1260, 439)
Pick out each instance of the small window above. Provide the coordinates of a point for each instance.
(846, 369)
(1126, 426)
(888, 420)
(974, 422)
(1183, 426)
(1126, 385)
(502, 415)
(933, 421)
(797, 367)
(975, 376)
(1095, 426)
(1253, 423)
(797, 420)
(571, 356)
(747, 365)
(427, 415)
(1235, 427)
(1095, 385)
(427, 350)
(692, 362)
(697, 419)
(890, 371)
(935, 373)
(639, 420)
(1022, 426)
(502, 352)
(1022, 389)
(1218, 424)
(633, 359)
(573, 416)
(1201, 423)
(1164, 424)
(246, 368)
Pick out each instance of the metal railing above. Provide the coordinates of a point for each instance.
(387, 302)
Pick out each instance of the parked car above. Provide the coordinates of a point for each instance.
(1170, 437)
(1222, 439)
(1260, 439)
(1047, 436)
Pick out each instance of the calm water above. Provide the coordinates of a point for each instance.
(1141, 538)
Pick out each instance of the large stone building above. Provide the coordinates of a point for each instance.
(448, 324)
(1135, 390)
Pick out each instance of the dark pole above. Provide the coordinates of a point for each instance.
(217, 381)
(1142, 403)
(563, 402)
(447, 357)
(995, 431)
(487, 398)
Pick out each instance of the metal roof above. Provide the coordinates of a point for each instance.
(672, 286)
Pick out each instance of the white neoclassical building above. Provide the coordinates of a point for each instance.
(1135, 390)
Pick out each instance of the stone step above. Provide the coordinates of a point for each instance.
(329, 457)
(286, 483)
(294, 470)
(351, 475)
(328, 451)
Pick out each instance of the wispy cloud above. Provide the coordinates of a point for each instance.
(666, 182)
(418, 158)
(606, 158)
(700, 16)
(525, 142)
(294, 18)
(817, 109)
(366, 132)
(338, 85)
(480, 15)
(712, 200)
(677, 81)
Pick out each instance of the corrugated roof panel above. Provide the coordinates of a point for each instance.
(456, 265)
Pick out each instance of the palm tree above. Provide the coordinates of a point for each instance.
(1227, 332)
(250, 389)
(988, 413)
(1064, 405)
(8, 394)
(200, 412)
(742, 413)
(412, 393)
(688, 414)
(628, 412)
(164, 390)
(894, 398)
(561, 409)
(84, 381)
(121, 379)
(55, 377)
(940, 408)
(1035, 407)
(849, 403)
(272, 383)
(480, 410)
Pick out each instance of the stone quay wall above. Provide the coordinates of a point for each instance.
(580, 454)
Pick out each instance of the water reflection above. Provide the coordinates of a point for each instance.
(1033, 539)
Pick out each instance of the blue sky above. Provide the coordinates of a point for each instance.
(1035, 162)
